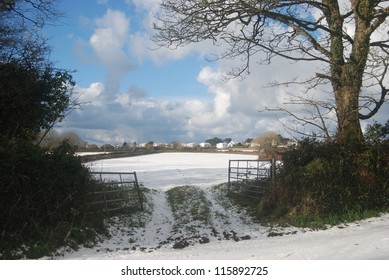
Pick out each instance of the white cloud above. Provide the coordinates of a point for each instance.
(115, 116)
(216, 85)
(232, 112)
(123, 99)
(110, 42)
(92, 95)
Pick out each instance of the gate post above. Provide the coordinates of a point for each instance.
(229, 176)
(138, 191)
(273, 170)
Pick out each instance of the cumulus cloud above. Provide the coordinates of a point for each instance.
(109, 39)
(233, 109)
(92, 95)
(110, 42)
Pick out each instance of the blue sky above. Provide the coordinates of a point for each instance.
(134, 92)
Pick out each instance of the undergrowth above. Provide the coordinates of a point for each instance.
(323, 184)
(322, 222)
(44, 198)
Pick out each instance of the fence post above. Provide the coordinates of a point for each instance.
(138, 190)
(273, 170)
(229, 176)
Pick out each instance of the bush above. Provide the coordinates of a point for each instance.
(42, 194)
(326, 179)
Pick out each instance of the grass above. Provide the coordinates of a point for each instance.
(281, 215)
(317, 222)
(190, 208)
(133, 217)
(241, 201)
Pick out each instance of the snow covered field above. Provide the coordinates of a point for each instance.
(368, 239)
(167, 170)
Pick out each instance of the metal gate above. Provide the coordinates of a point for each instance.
(116, 191)
(252, 177)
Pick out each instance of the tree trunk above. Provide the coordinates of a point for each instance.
(349, 127)
(347, 74)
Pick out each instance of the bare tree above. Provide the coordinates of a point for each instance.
(319, 116)
(21, 22)
(348, 37)
(24, 49)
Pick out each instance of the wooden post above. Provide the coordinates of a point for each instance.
(273, 170)
(138, 190)
(229, 176)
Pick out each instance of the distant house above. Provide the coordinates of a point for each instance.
(205, 145)
(221, 145)
(190, 145)
(231, 144)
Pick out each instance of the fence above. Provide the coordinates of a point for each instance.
(116, 191)
(252, 177)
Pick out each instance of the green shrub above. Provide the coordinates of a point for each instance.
(327, 179)
(42, 195)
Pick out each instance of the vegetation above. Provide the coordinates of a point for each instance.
(43, 197)
(42, 191)
(190, 207)
(328, 183)
(43, 188)
(217, 140)
(53, 139)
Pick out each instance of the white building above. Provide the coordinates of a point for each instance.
(231, 144)
(221, 146)
(205, 145)
(190, 145)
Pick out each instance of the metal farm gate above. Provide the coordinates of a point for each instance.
(116, 191)
(251, 177)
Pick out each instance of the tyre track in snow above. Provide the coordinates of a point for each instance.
(158, 229)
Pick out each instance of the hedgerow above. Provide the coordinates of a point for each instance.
(319, 181)
(42, 198)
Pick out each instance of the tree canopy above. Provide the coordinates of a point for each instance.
(348, 38)
(32, 100)
(34, 94)
(41, 192)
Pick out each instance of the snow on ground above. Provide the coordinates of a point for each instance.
(151, 236)
(166, 170)
(81, 154)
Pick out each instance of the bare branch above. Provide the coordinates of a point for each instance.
(340, 38)
(318, 114)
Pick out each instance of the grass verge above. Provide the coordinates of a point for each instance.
(317, 222)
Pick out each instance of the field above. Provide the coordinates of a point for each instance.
(165, 170)
(188, 216)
